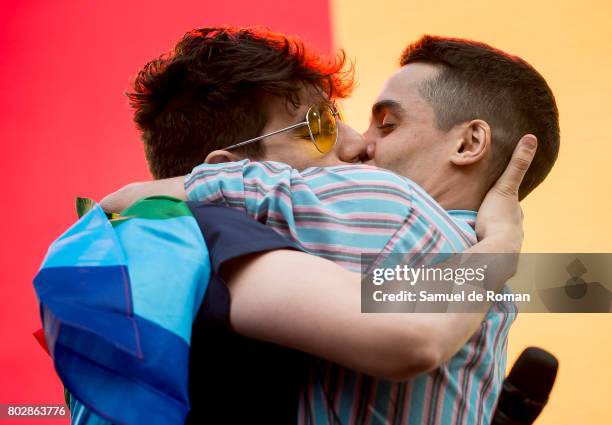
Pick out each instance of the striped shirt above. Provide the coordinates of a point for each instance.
(340, 213)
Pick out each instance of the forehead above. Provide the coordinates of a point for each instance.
(403, 86)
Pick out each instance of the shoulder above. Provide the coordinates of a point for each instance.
(363, 172)
(360, 178)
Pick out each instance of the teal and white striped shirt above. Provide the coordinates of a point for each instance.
(340, 213)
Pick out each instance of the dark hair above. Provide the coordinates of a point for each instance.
(209, 92)
(477, 81)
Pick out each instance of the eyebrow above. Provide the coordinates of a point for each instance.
(392, 105)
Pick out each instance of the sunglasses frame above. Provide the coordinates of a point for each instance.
(335, 113)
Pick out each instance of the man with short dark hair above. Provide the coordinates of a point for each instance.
(482, 99)
(343, 211)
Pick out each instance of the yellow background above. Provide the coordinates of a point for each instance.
(570, 43)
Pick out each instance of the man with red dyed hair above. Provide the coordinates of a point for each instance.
(187, 106)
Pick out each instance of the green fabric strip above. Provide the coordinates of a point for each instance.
(151, 208)
(154, 208)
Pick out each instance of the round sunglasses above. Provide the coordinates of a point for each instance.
(322, 128)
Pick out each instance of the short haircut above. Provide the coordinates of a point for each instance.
(477, 81)
(209, 92)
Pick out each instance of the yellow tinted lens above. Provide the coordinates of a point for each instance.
(322, 124)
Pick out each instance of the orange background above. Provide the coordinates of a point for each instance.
(570, 43)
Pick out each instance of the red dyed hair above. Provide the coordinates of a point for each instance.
(209, 91)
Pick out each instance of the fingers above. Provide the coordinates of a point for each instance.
(510, 181)
(120, 200)
(107, 203)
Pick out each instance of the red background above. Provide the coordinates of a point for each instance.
(66, 130)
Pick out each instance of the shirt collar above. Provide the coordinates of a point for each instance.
(466, 219)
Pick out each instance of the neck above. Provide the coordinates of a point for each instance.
(456, 192)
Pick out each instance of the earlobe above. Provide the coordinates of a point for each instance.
(474, 145)
(220, 156)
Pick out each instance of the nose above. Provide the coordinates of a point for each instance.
(351, 146)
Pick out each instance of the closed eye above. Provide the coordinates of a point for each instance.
(386, 127)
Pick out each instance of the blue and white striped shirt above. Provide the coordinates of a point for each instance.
(340, 213)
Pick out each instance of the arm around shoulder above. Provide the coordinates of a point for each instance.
(310, 304)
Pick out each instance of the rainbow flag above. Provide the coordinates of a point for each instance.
(117, 300)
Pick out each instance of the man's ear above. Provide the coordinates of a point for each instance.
(474, 145)
(217, 157)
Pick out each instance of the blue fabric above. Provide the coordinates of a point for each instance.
(59, 287)
(165, 258)
(117, 305)
(125, 389)
(88, 242)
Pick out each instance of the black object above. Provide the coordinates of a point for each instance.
(526, 389)
(234, 379)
